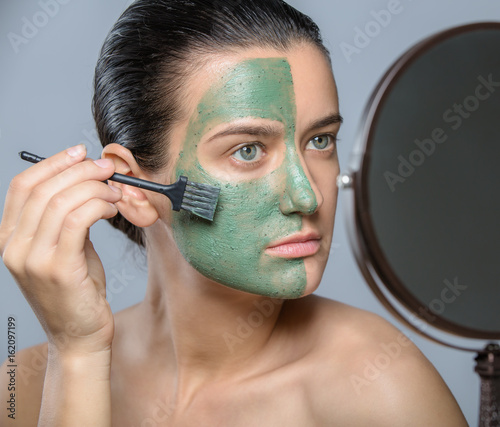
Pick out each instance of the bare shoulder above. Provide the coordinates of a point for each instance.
(22, 384)
(372, 374)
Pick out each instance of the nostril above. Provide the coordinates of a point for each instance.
(313, 209)
(307, 201)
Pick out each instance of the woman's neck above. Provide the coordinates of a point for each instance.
(203, 330)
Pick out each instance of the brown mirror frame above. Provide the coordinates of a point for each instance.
(372, 262)
(371, 259)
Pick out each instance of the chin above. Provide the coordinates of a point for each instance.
(312, 286)
(314, 273)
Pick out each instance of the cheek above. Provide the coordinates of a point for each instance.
(325, 176)
(330, 204)
(231, 249)
(326, 179)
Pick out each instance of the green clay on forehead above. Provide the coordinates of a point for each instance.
(230, 250)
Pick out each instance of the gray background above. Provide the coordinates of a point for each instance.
(45, 95)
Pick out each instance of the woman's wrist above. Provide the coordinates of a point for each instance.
(76, 382)
(95, 364)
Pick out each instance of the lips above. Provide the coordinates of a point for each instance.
(299, 245)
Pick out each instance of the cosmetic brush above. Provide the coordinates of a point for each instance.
(199, 199)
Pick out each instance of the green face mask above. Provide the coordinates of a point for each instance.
(230, 250)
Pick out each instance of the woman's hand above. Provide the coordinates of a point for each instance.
(44, 242)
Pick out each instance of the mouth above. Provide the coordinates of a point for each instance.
(299, 245)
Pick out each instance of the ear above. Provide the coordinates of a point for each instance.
(136, 205)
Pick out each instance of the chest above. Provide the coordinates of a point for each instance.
(245, 406)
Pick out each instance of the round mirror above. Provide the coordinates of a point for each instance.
(427, 199)
(424, 188)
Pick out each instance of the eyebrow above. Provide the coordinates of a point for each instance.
(326, 121)
(254, 130)
(274, 131)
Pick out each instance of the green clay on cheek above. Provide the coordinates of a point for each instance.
(230, 250)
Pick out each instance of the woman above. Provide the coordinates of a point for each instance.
(238, 95)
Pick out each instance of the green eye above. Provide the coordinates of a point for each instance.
(248, 153)
(320, 142)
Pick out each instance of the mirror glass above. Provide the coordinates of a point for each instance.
(430, 179)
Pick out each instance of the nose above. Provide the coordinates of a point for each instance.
(299, 195)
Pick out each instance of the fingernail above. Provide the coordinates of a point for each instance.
(103, 163)
(115, 189)
(77, 150)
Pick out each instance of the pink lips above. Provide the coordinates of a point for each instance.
(296, 246)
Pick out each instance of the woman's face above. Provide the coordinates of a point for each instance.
(263, 130)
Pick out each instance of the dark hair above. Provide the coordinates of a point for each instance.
(153, 48)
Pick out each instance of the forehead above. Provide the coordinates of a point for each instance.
(254, 87)
(281, 86)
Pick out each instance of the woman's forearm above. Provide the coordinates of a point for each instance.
(77, 391)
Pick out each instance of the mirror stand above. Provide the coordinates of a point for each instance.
(488, 368)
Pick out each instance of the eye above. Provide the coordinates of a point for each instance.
(248, 153)
(321, 142)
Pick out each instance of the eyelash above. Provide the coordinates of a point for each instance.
(249, 164)
(333, 140)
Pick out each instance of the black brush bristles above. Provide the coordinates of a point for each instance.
(199, 199)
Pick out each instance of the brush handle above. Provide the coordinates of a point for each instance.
(123, 179)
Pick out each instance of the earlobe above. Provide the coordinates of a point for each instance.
(135, 204)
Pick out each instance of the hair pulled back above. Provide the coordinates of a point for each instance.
(149, 52)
